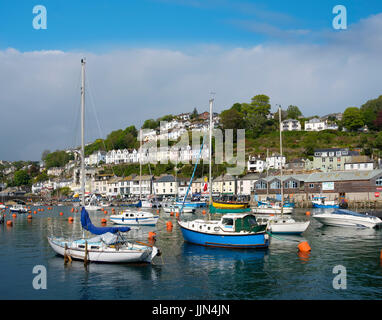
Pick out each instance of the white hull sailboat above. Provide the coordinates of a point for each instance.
(98, 251)
(268, 210)
(347, 218)
(168, 208)
(18, 208)
(109, 245)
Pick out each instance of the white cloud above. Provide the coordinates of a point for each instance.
(40, 97)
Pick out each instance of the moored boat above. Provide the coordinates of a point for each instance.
(231, 231)
(130, 217)
(18, 208)
(347, 218)
(323, 203)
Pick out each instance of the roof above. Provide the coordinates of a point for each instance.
(225, 177)
(166, 178)
(250, 176)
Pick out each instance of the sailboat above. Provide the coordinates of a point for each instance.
(109, 243)
(136, 217)
(279, 223)
(239, 230)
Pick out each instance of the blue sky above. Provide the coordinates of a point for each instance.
(149, 58)
(103, 25)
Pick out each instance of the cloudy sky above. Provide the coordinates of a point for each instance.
(146, 59)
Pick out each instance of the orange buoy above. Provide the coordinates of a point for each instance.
(307, 213)
(169, 225)
(14, 215)
(152, 235)
(9, 223)
(380, 255)
(105, 212)
(29, 216)
(304, 247)
(61, 213)
(171, 213)
(204, 211)
(157, 211)
(72, 210)
(177, 215)
(35, 212)
(70, 219)
(76, 210)
(103, 220)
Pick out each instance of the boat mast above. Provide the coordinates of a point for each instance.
(267, 173)
(140, 164)
(83, 131)
(210, 154)
(281, 167)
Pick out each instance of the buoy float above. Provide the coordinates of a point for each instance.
(171, 213)
(307, 213)
(14, 215)
(29, 217)
(177, 215)
(70, 219)
(35, 212)
(381, 256)
(304, 247)
(9, 223)
(72, 210)
(105, 212)
(204, 211)
(157, 211)
(76, 210)
(152, 235)
(103, 220)
(61, 213)
(169, 225)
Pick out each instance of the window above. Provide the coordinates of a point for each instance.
(275, 185)
(261, 185)
(330, 159)
(227, 222)
(378, 182)
(311, 185)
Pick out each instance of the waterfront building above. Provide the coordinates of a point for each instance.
(246, 184)
(332, 159)
(224, 184)
(360, 163)
(165, 186)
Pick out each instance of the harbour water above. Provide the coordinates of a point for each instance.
(185, 271)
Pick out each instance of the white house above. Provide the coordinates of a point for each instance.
(315, 124)
(290, 125)
(246, 184)
(275, 161)
(255, 164)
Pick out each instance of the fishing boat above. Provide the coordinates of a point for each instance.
(237, 230)
(130, 217)
(231, 231)
(109, 244)
(225, 211)
(348, 218)
(18, 208)
(272, 208)
(322, 202)
(219, 204)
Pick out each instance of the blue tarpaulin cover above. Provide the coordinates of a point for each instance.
(87, 225)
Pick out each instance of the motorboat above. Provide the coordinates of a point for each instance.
(231, 231)
(284, 224)
(93, 207)
(19, 208)
(168, 208)
(109, 245)
(322, 202)
(150, 204)
(272, 208)
(130, 217)
(192, 204)
(348, 218)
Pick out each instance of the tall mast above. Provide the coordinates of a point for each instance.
(281, 167)
(83, 131)
(140, 164)
(210, 151)
(267, 172)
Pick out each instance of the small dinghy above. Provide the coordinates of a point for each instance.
(134, 218)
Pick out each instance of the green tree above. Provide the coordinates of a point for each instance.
(150, 124)
(352, 119)
(57, 159)
(194, 114)
(21, 178)
(256, 113)
(232, 119)
(293, 112)
(370, 110)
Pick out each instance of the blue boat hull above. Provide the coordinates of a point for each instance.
(192, 204)
(325, 206)
(250, 241)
